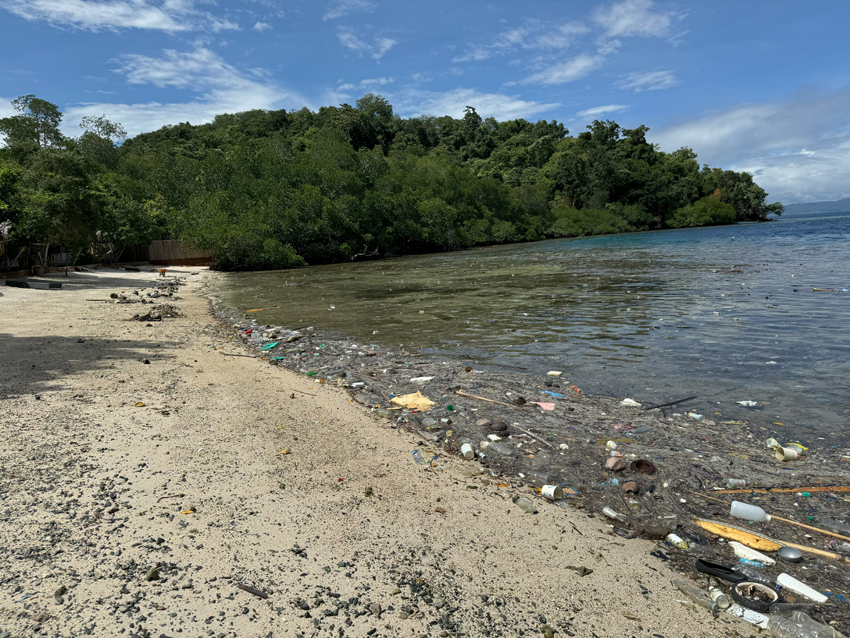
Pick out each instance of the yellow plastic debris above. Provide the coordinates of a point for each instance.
(286, 451)
(414, 401)
(140, 405)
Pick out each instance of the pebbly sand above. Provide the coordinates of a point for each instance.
(342, 533)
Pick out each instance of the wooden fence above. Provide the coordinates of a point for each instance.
(172, 252)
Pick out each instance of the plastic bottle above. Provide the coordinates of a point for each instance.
(799, 625)
(832, 525)
(417, 456)
(719, 598)
(697, 596)
(756, 576)
(612, 514)
(500, 448)
(524, 504)
(734, 484)
(748, 512)
(678, 541)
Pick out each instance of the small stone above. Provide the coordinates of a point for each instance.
(484, 423)
(59, 593)
(547, 631)
(439, 603)
(368, 491)
(153, 574)
(614, 464)
(498, 426)
(375, 608)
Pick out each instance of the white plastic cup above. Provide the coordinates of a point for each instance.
(552, 492)
(786, 453)
(467, 451)
(611, 445)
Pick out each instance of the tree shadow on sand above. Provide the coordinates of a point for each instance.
(30, 365)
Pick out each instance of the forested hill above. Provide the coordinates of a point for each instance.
(837, 206)
(267, 189)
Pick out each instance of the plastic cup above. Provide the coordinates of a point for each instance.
(552, 492)
(467, 451)
(786, 453)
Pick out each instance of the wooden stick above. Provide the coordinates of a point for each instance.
(475, 396)
(814, 529)
(819, 552)
(543, 441)
(786, 490)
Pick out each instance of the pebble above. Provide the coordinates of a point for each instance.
(498, 426)
(484, 423)
(153, 574)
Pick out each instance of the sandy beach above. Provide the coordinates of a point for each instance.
(145, 477)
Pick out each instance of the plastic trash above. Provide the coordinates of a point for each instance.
(786, 453)
(417, 456)
(719, 598)
(467, 451)
(832, 525)
(524, 504)
(500, 448)
(799, 625)
(676, 540)
(613, 514)
(697, 596)
(756, 576)
(748, 512)
(747, 404)
(630, 403)
(694, 415)
(733, 484)
(747, 553)
(792, 584)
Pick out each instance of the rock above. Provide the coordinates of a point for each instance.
(439, 603)
(375, 608)
(614, 464)
(41, 617)
(484, 423)
(153, 574)
(498, 426)
(59, 593)
(547, 631)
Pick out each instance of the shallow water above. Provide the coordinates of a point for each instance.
(655, 316)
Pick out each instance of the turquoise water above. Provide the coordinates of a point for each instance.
(726, 313)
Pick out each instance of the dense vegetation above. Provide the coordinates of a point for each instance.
(267, 189)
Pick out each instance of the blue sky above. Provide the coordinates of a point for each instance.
(756, 85)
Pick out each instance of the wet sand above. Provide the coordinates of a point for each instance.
(344, 533)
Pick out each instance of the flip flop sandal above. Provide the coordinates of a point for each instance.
(720, 571)
(742, 592)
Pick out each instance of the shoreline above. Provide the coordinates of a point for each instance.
(342, 532)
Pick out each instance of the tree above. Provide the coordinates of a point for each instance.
(98, 141)
(35, 126)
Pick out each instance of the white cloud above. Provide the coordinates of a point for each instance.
(167, 15)
(533, 34)
(568, 71)
(343, 91)
(375, 49)
(502, 107)
(647, 81)
(262, 26)
(340, 8)
(219, 87)
(797, 149)
(596, 111)
(633, 18)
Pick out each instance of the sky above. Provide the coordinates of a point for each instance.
(755, 85)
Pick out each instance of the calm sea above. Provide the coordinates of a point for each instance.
(756, 312)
